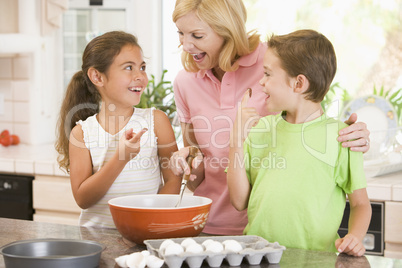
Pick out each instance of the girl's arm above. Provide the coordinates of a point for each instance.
(166, 147)
(356, 136)
(359, 220)
(89, 188)
(238, 183)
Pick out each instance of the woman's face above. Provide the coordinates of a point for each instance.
(199, 40)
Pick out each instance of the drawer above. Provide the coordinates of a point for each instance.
(56, 217)
(53, 193)
(393, 251)
(393, 222)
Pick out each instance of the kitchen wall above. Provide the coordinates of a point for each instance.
(29, 77)
(31, 64)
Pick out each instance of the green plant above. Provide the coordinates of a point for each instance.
(335, 92)
(159, 95)
(394, 98)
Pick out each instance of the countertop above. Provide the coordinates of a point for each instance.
(41, 160)
(12, 230)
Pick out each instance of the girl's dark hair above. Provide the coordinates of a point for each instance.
(82, 98)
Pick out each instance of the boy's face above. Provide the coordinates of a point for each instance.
(277, 84)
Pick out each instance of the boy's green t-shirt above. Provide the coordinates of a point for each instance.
(299, 175)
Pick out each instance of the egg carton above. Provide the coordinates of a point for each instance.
(255, 248)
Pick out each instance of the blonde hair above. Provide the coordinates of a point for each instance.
(227, 18)
(82, 98)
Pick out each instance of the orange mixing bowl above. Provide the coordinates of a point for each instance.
(142, 217)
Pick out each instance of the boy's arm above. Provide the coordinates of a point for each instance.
(238, 184)
(359, 220)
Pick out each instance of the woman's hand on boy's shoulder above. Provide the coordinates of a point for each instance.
(356, 136)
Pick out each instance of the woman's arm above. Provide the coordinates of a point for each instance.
(166, 147)
(197, 172)
(359, 220)
(178, 161)
(89, 188)
(356, 136)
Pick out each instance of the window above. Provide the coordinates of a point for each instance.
(365, 34)
(82, 22)
(80, 27)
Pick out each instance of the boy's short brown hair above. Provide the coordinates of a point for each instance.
(309, 53)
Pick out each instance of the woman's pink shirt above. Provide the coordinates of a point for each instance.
(211, 106)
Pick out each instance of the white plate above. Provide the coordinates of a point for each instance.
(380, 117)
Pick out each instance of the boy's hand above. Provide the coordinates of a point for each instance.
(246, 118)
(350, 245)
(129, 145)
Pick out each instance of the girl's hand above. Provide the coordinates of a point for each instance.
(355, 136)
(178, 163)
(350, 245)
(246, 118)
(129, 144)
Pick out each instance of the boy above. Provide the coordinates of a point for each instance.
(290, 172)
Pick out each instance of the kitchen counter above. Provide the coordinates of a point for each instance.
(12, 230)
(41, 160)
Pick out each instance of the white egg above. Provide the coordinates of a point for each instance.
(194, 248)
(206, 242)
(146, 253)
(164, 244)
(121, 261)
(136, 260)
(214, 246)
(186, 242)
(232, 245)
(154, 262)
(174, 249)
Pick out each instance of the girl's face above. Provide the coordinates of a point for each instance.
(126, 78)
(199, 40)
(277, 84)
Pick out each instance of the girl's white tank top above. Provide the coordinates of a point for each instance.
(141, 175)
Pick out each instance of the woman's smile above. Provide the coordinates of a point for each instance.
(199, 40)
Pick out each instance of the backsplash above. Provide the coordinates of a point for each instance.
(15, 83)
(31, 82)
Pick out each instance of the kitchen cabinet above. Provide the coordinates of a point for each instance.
(53, 200)
(393, 230)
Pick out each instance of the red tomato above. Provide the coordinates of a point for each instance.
(15, 139)
(6, 140)
(4, 133)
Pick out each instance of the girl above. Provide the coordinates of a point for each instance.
(114, 149)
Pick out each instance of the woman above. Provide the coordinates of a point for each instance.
(221, 60)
